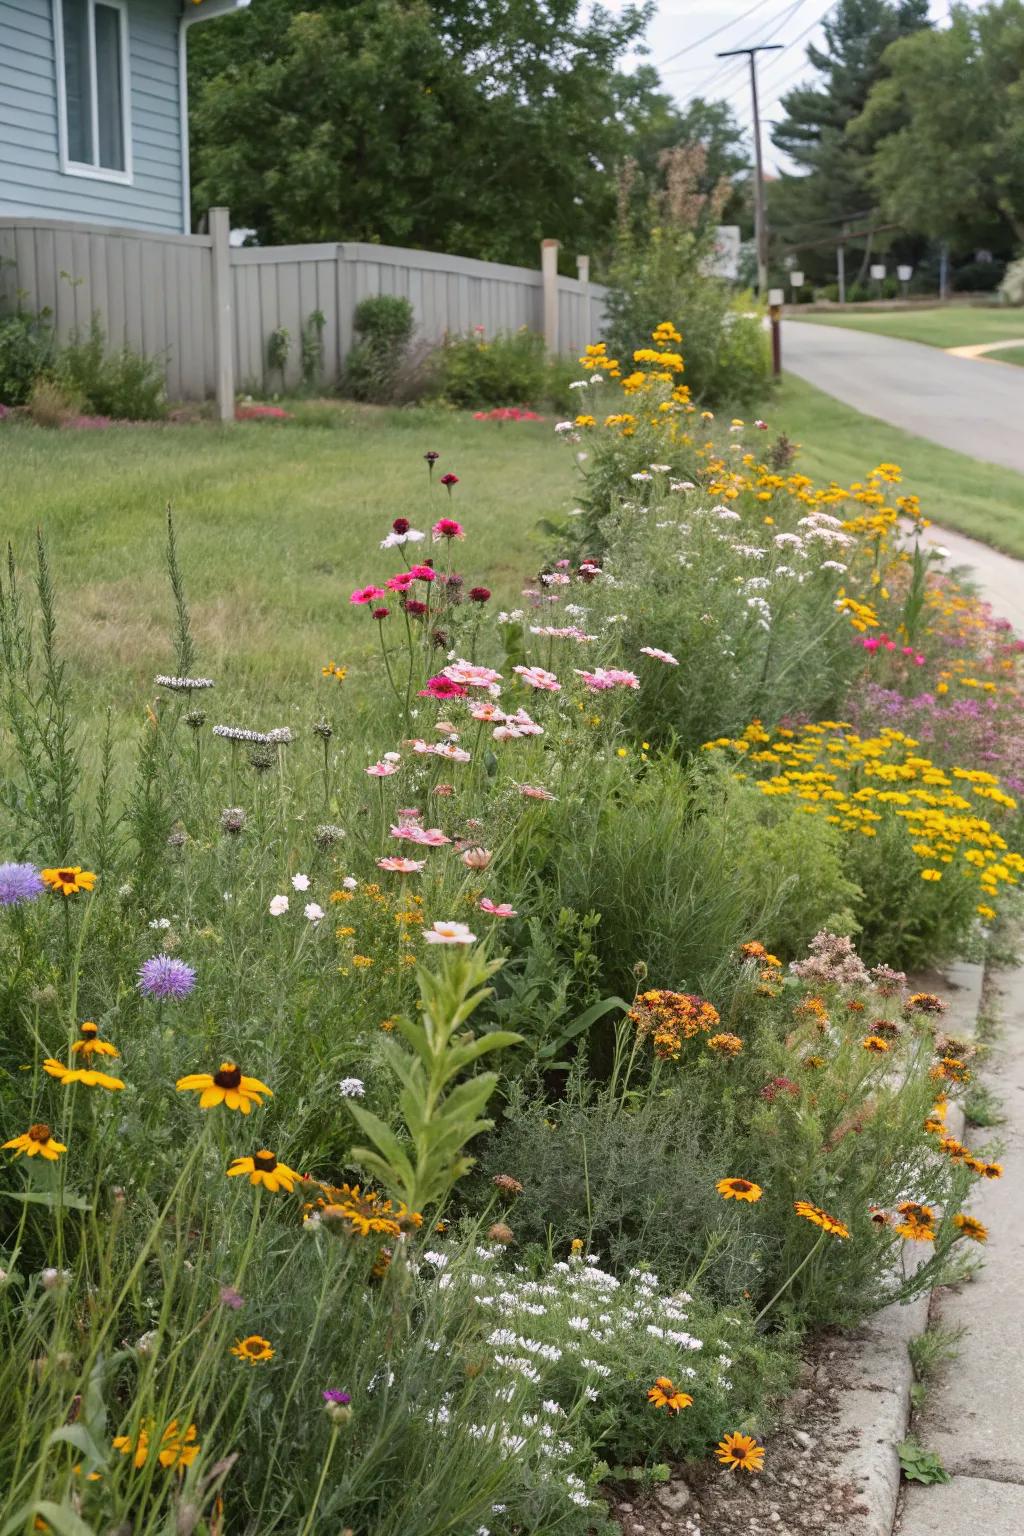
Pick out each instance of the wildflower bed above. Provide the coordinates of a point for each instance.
(418, 1122)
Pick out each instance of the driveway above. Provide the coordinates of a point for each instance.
(974, 407)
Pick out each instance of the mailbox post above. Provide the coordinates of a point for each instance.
(776, 299)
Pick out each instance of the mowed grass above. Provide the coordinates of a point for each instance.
(838, 443)
(950, 326)
(276, 524)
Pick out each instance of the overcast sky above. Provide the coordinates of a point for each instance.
(679, 46)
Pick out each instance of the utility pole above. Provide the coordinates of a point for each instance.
(760, 221)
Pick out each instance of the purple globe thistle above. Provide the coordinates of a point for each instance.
(19, 883)
(164, 976)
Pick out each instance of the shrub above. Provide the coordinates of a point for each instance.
(1011, 289)
(121, 384)
(979, 276)
(26, 351)
(384, 325)
(50, 405)
(727, 357)
(510, 368)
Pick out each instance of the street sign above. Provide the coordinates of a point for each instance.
(878, 270)
(904, 274)
(776, 296)
(797, 279)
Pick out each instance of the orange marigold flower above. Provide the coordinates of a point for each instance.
(665, 1394)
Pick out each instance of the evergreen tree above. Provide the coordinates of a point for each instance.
(833, 180)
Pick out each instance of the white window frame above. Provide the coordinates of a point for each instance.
(71, 167)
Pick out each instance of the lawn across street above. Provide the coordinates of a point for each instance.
(950, 326)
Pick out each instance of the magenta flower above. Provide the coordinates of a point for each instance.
(447, 528)
(163, 976)
(367, 594)
(423, 573)
(400, 583)
(441, 687)
(332, 1395)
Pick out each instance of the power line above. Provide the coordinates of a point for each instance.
(792, 44)
(716, 32)
(760, 218)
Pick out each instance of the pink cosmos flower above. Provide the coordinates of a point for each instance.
(399, 866)
(470, 675)
(447, 527)
(443, 687)
(367, 594)
(453, 753)
(506, 733)
(486, 712)
(524, 725)
(497, 909)
(449, 933)
(665, 656)
(477, 858)
(428, 837)
(547, 682)
(535, 792)
(382, 770)
(610, 677)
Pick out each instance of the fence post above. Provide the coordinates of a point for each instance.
(583, 269)
(223, 318)
(549, 273)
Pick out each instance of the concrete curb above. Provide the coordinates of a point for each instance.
(874, 1405)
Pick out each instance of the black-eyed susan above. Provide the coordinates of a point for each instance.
(820, 1218)
(175, 1448)
(90, 1044)
(739, 1189)
(917, 1221)
(68, 879)
(37, 1141)
(740, 1453)
(90, 1077)
(665, 1394)
(970, 1226)
(992, 1171)
(226, 1086)
(254, 1349)
(264, 1168)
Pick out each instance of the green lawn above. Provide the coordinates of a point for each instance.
(838, 443)
(276, 525)
(1013, 355)
(960, 326)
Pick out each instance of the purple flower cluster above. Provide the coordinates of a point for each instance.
(165, 977)
(19, 883)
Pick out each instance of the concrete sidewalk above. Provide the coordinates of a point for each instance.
(972, 1416)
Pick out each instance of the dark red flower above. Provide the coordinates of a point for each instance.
(479, 594)
(414, 606)
(401, 525)
(381, 613)
(449, 479)
(431, 456)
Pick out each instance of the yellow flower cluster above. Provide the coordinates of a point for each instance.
(856, 782)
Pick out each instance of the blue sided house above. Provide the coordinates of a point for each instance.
(94, 110)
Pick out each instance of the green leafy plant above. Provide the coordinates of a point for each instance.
(278, 346)
(122, 384)
(26, 351)
(313, 348)
(919, 1465)
(441, 1116)
(384, 324)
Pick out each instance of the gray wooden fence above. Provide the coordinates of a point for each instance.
(160, 295)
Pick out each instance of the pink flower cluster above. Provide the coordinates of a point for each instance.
(608, 677)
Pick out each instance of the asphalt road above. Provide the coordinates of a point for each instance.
(974, 407)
